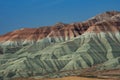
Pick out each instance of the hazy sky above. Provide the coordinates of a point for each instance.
(16, 14)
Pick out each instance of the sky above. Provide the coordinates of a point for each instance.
(17, 14)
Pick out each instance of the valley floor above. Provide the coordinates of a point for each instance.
(68, 78)
(88, 74)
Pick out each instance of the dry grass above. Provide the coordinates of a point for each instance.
(87, 74)
(66, 78)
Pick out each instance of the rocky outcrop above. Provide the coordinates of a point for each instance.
(59, 30)
(108, 21)
(106, 16)
(105, 26)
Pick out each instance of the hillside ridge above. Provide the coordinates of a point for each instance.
(108, 21)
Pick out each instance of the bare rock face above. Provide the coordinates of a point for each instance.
(105, 26)
(108, 21)
(58, 30)
(106, 16)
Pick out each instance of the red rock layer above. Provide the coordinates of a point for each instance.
(106, 26)
(71, 30)
(108, 21)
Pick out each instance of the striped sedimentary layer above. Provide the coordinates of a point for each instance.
(62, 47)
(81, 52)
(108, 21)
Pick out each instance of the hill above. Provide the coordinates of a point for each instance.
(48, 51)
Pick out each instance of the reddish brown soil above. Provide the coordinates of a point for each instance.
(103, 22)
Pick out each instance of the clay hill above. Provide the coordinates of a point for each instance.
(108, 21)
(63, 49)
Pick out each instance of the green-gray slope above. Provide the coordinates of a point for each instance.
(45, 57)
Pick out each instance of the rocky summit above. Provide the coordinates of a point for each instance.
(62, 49)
